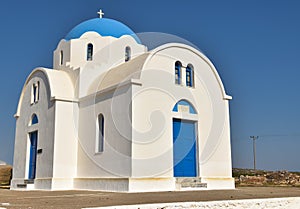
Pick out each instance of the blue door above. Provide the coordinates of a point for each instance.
(184, 145)
(33, 151)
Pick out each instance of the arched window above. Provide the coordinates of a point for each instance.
(100, 139)
(89, 52)
(184, 106)
(178, 72)
(190, 75)
(127, 53)
(34, 120)
(61, 57)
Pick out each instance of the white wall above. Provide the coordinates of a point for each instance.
(138, 118)
(105, 58)
(153, 104)
(44, 109)
(108, 52)
(65, 144)
(115, 160)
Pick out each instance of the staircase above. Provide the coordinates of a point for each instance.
(190, 183)
(27, 182)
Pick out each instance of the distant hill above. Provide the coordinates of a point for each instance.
(250, 177)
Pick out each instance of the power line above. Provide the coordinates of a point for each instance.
(279, 135)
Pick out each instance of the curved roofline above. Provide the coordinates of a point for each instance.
(67, 95)
(197, 52)
(102, 26)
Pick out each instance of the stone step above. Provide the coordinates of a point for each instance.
(29, 181)
(26, 182)
(22, 185)
(196, 185)
(192, 182)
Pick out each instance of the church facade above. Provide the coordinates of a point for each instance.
(113, 116)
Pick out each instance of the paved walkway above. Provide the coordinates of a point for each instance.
(81, 199)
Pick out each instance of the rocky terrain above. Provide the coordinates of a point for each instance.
(248, 177)
(5, 175)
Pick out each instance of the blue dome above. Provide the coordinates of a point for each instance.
(103, 26)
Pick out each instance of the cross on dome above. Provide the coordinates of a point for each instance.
(100, 13)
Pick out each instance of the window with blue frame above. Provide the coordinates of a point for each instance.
(90, 52)
(184, 106)
(34, 119)
(100, 142)
(178, 72)
(190, 76)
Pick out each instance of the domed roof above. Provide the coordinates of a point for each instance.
(103, 26)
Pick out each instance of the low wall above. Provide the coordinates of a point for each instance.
(284, 203)
(247, 177)
(5, 175)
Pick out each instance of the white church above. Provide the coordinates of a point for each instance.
(113, 116)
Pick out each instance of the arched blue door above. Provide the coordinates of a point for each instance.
(184, 148)
(33, 136)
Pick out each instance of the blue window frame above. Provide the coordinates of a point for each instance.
(178, 72)
(90, 52)
(190, 76)
(185, 103)
(34, 119)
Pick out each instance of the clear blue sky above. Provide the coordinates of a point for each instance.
(254, 44)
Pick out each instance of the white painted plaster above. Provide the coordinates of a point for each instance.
(278, 203)
(136, 99)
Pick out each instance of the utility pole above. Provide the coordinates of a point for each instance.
(254, 151)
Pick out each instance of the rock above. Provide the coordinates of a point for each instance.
(5, 175)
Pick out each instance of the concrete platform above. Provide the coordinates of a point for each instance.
(88, 199)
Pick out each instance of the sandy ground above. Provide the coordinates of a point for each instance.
(80, 199)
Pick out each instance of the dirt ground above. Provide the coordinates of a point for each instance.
(80, 199)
